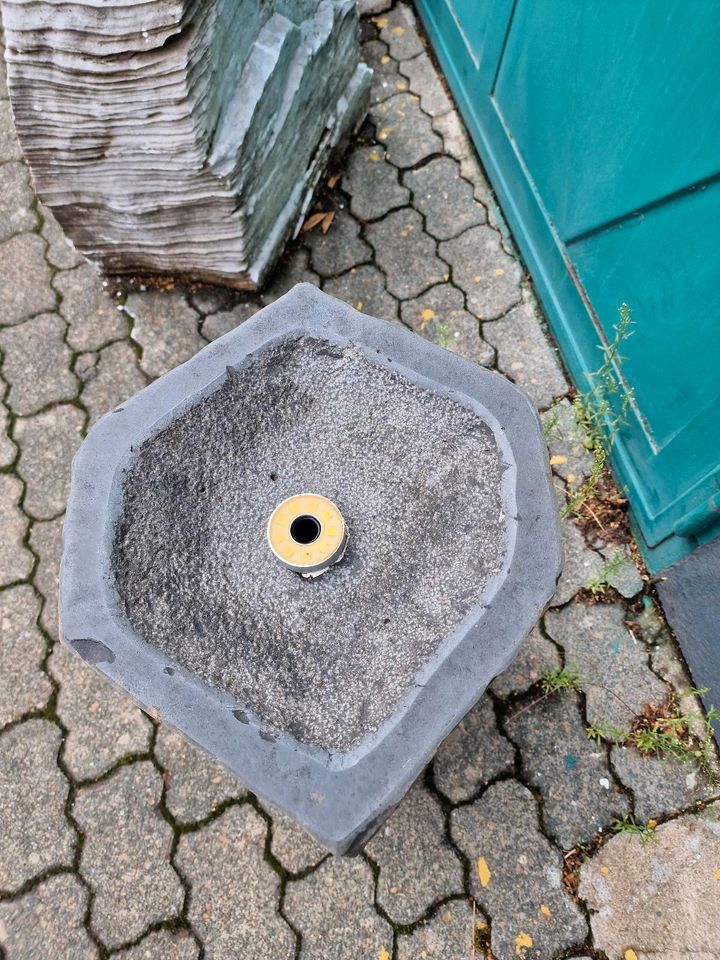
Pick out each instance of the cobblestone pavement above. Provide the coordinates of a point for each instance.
(118, 838)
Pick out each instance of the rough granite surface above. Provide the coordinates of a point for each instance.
(328, 659)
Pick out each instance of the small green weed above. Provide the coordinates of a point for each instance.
(562, 679)
(442, 335)
(627, 824)
(601, 582)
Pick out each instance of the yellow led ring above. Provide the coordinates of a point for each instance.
(307, 533)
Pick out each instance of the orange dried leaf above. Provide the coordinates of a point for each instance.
(313, 221)
(327, 220)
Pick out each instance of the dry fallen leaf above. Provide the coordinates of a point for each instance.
(483, 871)
(334, 179)
(313, 221)
(522, 942)
(383, 955)
(327, 220)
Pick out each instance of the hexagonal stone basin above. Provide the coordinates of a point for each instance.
(418, 477)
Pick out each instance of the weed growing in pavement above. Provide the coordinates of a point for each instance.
(627, 824)
(442, 335)
(561, 679)
(601, 581)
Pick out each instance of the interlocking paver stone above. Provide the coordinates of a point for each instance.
(404, 130)
(386, 79)
(8, 449)
(103, 724)
(16, 561)
(34, 832)
(23, 684)
(209, 298)
(46, 543)
(447, 935)
(294, 848)
(9, 146)
(622, 574)
(444, 198)
(525, 355)
(223, 321)
(224, 863)
(439, 315)
(36, 364)
(425, 82)
(398, 30)
(60, 252)
(515, 873)
(23, 256)
(570, 455)
(568, 768)
(660, 786)
(373, 184)
(659, 899)
(406, 254)
(537, 657)
(473, 754)
(126, 854)
(15, 198)
(340, 248)
(582, 565)
(333, 910)
(417, 865)
(48, 442)
(195, 783)
(364, 288)
(166, 327)
(489, 277)
(455, 137)
(613, 664)
(162, 945)
(47, 922)
(93, 316)
(115, 378)
(295, 267)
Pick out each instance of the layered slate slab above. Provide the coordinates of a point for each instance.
(328, 696)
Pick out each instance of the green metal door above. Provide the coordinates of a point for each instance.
(599, 124)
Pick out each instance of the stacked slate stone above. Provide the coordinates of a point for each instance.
(183, 136)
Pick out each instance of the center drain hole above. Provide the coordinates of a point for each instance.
(305, 529)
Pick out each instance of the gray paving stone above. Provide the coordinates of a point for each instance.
(516, 873)
(398, 29)
(223, 321)
(333, 910)
(162, 945)
(16, 561)
(664, 653)
(23, 684)
(86, 305)
(417, 865)
(295, 267)
(621, 572)
(404, 130)
(46, 543)
(364, 288)
(439, 315)
(582, 565)
(294, 848)
(195, 784)
(613, 664)
(115, 378)
(47, 923)
(567, 442)
(166, 327)
(60, 252)
(525, 353)
(15, 199)
(386, 79)
(9, 146)
(48, 442)
(406, 254)
(580, 798)
(447, 935)
(658, 900)
(103, 724)
(34, 832)
(23, 257)
(455, 137)
(8, 450)
(126, 854)
(225, 867)
(489, 277)
(373, 184)
(36, 364)
(537, 656)
(472, 171)
(444, 198)
(84, 368)
(339, 249)
(474, 753)
(367, 7)
(425, 82)
(660, 786)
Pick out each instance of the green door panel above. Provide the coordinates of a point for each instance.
(599, 126)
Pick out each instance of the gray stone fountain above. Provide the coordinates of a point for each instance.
(324, 694)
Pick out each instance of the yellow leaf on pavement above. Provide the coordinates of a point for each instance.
(483, 870)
